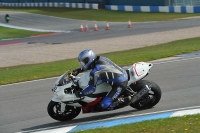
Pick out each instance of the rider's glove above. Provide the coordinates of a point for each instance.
(76, 71)
(88, 90)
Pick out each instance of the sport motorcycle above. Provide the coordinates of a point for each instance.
(66, 105)
(7, 19)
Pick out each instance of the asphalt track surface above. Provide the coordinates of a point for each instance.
(117, 29)
(23, 106)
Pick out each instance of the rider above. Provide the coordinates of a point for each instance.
(104, 69)
(6, 16)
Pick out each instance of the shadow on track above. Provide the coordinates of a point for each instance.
(89, 119)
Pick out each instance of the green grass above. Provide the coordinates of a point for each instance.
(102, 14)
(185, 124)
(7, 33)
(44, 70)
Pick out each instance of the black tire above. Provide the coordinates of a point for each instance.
(70, 113)
(150, 100)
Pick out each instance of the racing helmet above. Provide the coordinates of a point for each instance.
(85, 59)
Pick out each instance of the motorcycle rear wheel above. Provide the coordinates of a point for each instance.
(70, 113)
(149, 100)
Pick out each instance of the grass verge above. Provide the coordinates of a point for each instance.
(44, 70)
(185, 124)
(16, 33)
(102, 14)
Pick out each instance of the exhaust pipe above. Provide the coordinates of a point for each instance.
(140, 94)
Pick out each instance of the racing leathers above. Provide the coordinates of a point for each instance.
(107, 71)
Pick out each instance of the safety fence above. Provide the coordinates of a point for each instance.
(170, 9)
(53, 4)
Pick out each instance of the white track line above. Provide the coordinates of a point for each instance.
(31, 29)
(157, 112)
(185, 59)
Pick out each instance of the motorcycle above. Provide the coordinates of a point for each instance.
(65, 105)
(7, 19)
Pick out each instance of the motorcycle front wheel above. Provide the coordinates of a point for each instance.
(149, 100)
(70, 112)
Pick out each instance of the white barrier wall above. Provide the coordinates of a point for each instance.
(171, 9)
(52, 4)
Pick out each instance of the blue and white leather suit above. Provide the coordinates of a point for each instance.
(107, 71)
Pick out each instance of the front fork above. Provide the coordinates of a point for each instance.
(62, 107)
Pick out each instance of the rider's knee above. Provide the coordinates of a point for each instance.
(106, 102)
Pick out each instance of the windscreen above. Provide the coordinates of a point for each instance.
(62, 80)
